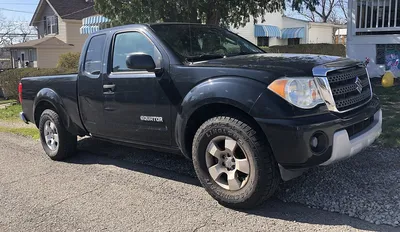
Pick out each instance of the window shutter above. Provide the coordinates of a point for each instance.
(56, 22)
(45, 25)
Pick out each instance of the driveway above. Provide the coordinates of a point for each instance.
(114, 188)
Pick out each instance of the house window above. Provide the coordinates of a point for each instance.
(51, 25)
(263, 41)
(293, 41)
(388, 55)
(30, 55)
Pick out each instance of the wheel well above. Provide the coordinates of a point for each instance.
(42, 106)
(206, 112)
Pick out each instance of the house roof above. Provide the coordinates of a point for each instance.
(317, 23)
(302, 20)
(66, 9)
(73, 9)
(50, 42)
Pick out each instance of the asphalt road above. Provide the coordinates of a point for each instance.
(111, 188)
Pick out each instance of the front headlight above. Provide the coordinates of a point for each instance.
(301, 92)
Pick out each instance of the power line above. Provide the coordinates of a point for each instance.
(86, 8)
(19, 11)
(12, 3)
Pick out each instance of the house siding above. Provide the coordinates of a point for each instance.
(62, 30)
(290, 23)
(320, 34)
(48, 57)
(74, 36)
(247, 31)
(313, 33)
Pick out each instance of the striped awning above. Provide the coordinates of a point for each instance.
(93, 23)
(267, 31)
(89, 29)
(290, 33)
(94, 20)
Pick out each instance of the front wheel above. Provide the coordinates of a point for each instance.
(234, 163)
(57, 142)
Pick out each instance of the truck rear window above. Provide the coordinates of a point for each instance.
(94, 54)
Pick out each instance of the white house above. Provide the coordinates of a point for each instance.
(278, 29)
(374, 32)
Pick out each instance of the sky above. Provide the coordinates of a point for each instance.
(8, 9)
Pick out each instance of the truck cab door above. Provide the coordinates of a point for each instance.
(136, 108)
(90, 86)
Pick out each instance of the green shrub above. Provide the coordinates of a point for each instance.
(69, 60)
(322, 49)
(10, 79)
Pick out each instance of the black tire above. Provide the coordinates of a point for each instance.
(263, 176)
(67, 142)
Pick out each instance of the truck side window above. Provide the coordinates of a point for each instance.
(94, 54)
(131, 42)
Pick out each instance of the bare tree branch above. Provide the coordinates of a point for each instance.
(14, 31)
(327, 11)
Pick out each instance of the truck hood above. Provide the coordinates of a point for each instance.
(281, 64)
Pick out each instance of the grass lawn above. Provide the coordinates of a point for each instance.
(27, 132)
(13, 123)
(390, 101)
(10, 113)
(7, 101)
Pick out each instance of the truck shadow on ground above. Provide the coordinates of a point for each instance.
(178, 168)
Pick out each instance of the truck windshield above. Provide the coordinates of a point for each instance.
(199, 42)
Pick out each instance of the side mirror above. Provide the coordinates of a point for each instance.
(140, 61)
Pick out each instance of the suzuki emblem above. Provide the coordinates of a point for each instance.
(359, 86)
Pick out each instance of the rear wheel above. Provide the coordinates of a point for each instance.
(57, 142)
(233, 163)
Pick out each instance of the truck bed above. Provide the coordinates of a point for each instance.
(64, 85)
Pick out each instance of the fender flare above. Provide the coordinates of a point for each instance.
(50, 96)
(238, 92)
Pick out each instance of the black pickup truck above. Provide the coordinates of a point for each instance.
(247, 119)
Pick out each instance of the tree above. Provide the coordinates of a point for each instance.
(12, 32)
(218, 12)
(326, 11)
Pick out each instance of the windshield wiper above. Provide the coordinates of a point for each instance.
(204, 57)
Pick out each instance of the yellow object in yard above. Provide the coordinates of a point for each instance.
(388, 79)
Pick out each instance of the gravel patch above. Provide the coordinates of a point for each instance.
(16, 124)
(366, 186)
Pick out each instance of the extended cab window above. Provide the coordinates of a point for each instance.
(132, 42)
(94, 54)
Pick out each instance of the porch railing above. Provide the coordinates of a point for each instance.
(377, 16)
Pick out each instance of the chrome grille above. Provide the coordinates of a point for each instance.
(344, 87)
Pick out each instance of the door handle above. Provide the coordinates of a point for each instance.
(110, 86)
(108, 89)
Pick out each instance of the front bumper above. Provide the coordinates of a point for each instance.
(344, 147)
(290, 139)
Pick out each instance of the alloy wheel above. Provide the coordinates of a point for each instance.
(227, 163)
(51, 135)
